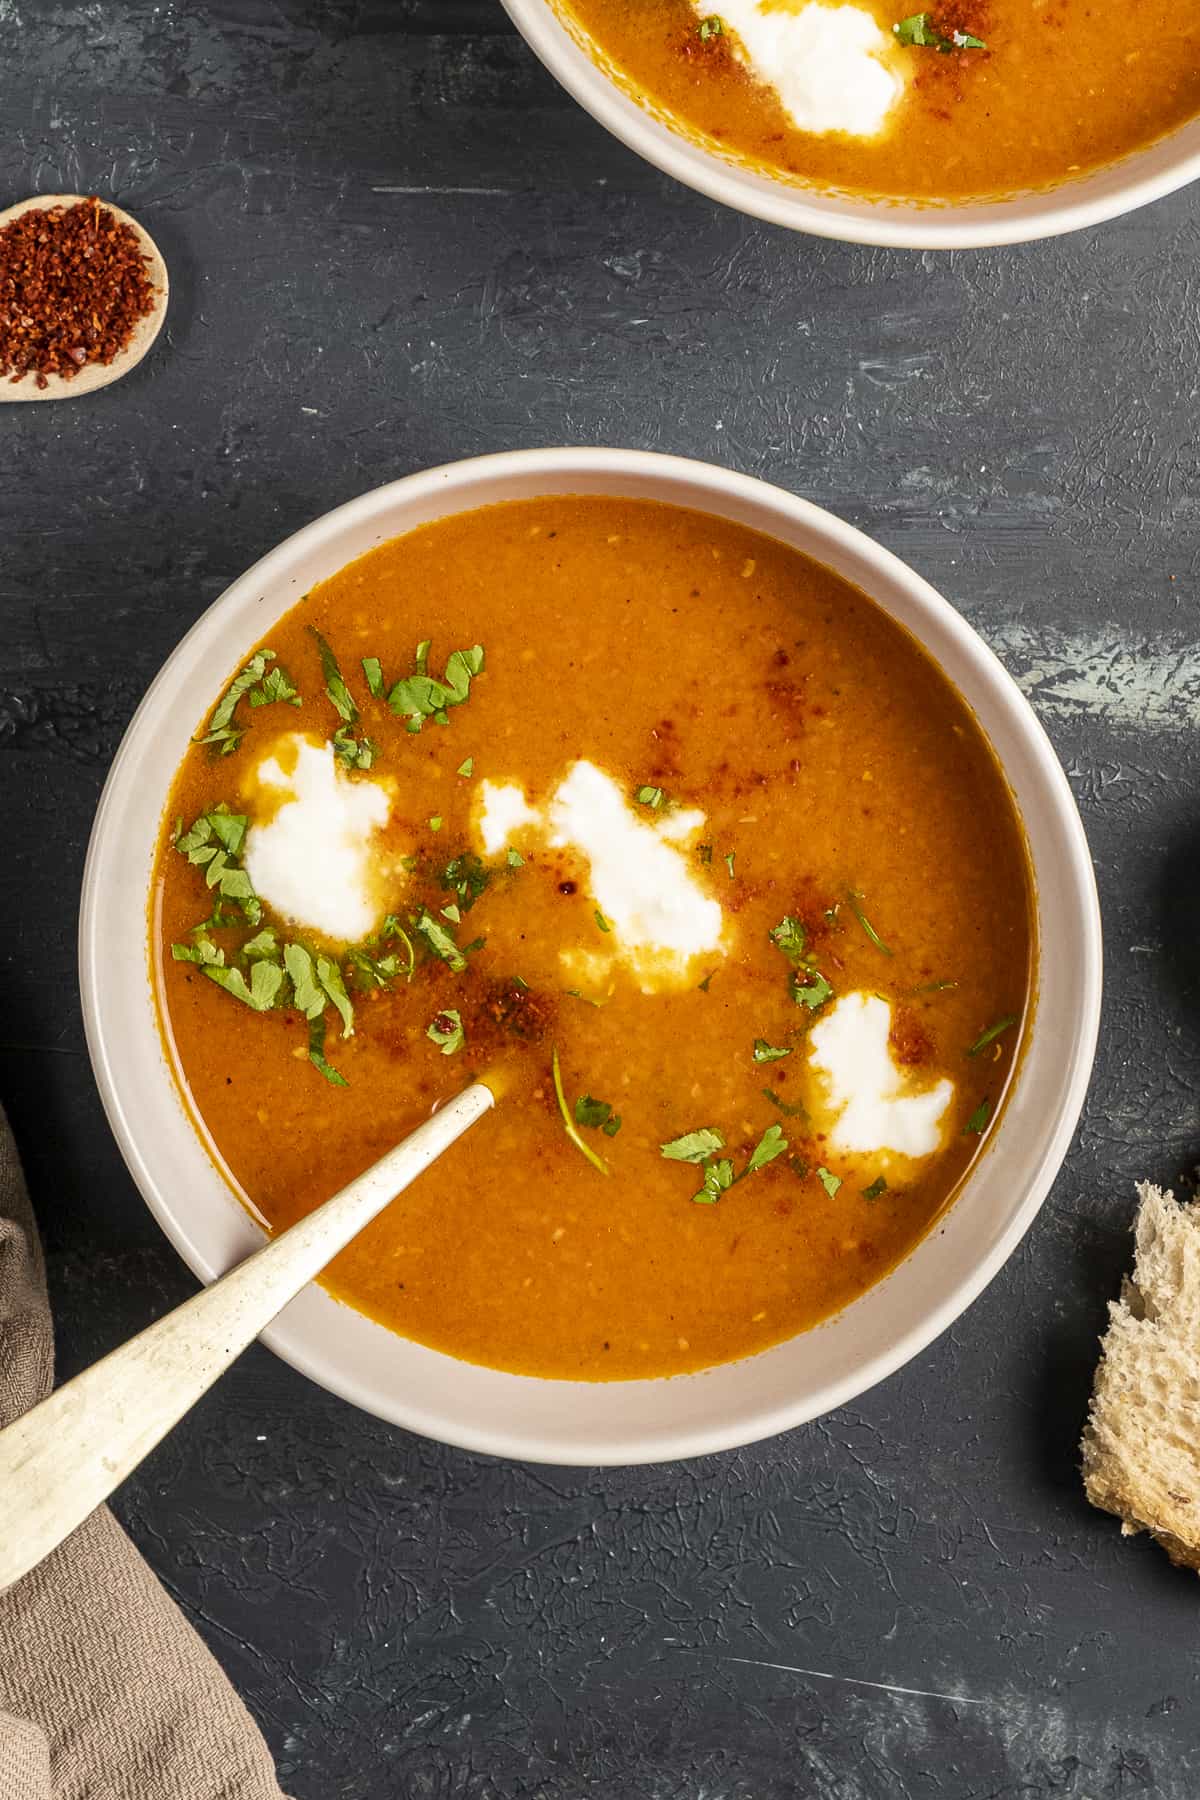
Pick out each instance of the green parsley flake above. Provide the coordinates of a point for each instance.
(223, 732)
(339, 694)
(829, 1181)
(856, 907)
(441, 942)
(515, 860)
(446, 1030)
(718, 1179)
(790, 937)
(992, 1033)
(601, 921)
(316, 1053)
(421, 696)
(712, 27)
(799, 1111)
(765, 1053)
(811, 994)
(214, 844)
(978, 1119)
(729, 863)
(466, 877)
(372, 670)
(877, 1187)
(467, 767)
(598, 1115)
(693, 1146)
(435, 824)
(919, 31)
(354, 753)
(652, 797)
(771, 1144)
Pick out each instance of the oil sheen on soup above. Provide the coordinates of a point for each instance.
(670, 834)
(974, 98)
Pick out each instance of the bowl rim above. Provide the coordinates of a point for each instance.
(1092, 199)
(709, 484)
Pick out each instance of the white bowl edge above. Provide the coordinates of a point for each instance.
(1136, 180)
(562, 1422)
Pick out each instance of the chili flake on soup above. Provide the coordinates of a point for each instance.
(667, 829)
(972, 99)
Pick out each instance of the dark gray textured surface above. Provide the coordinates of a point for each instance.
(393, 242)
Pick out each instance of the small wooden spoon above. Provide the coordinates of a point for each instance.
(66, 1456)
(94, 375)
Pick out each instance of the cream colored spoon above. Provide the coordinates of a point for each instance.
(60, 1461)
(94, 375)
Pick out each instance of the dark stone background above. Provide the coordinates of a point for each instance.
(393, 241)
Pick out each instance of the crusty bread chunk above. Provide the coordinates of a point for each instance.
(1141, 1446)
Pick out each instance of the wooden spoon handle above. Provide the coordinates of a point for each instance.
(65, 1457)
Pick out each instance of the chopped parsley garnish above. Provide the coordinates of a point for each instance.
(978, 1119)
(653, 797)
(421, 696)
(372, 970)
(597, 1114)
(572, 1130)
(446, 1030)
(771, 1144)
(262, 686)
(601, 921)
(372, 669)
(764, 1052)
(918, 30)
(828, 1180)
(712, 27)
(335, 685)
(316, 1053)
(811, 994)
(515, 860)
(703, 986)
(214, 844)
(466, 877)
(452, 913)
(992, 1033)
(877, 1187)
(856, 899)
(262, 990)
(441, 942)
(275, 685)
(700, 1147)
(435, 824)
(808, 986)
(693, 1146)
(718, 1179)
(729, 863)
(790, 937)
(798, 1111)
(467, 767)
(355, 753)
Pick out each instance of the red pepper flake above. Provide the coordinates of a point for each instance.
(73, 285)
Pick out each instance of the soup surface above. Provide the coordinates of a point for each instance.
(976, 98)
(630, 793)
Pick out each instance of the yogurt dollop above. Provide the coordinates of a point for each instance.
(826, 63)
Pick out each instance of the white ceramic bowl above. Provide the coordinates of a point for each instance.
(564, 1421)
(1134, 181)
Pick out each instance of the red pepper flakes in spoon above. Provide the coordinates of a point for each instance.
(73, 285)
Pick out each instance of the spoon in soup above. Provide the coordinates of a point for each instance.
(65, 1457)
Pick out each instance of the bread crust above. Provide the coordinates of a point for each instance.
(1141, 1444)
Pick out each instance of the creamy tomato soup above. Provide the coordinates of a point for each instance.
(665, 830)
(975, 98)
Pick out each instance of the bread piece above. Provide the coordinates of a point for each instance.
(1141, 1445)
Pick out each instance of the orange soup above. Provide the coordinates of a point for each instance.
(666, 830)
(978, 98)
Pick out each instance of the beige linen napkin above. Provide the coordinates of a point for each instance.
(106, 1692)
